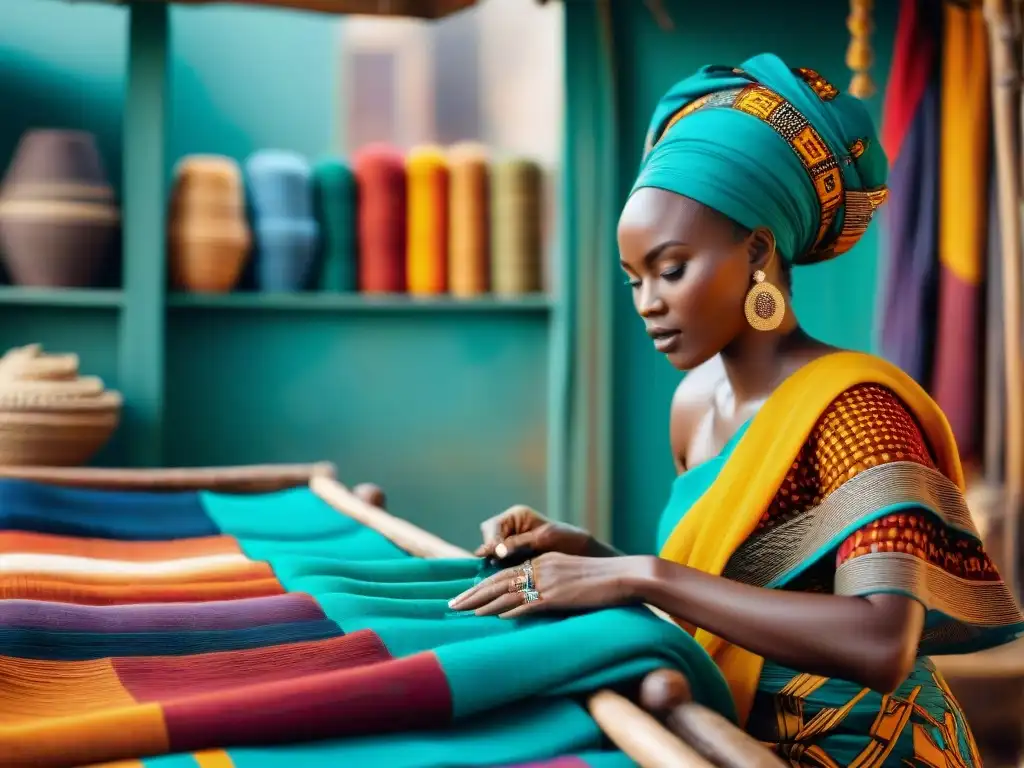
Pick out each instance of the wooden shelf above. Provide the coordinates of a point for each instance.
(421, 9)
(60, 297)
(357, 302)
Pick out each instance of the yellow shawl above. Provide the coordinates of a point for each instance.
(728, 512)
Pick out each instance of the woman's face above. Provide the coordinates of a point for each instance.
(689, 269)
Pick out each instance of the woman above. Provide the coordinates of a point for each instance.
(816, 540)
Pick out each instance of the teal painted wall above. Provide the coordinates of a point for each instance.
(447, 410)
(62, 65)
(835, 301)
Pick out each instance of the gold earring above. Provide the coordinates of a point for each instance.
(765, 307)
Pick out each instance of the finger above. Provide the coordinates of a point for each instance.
(501, 604)
(515, 545)
(487, 548)
(524, 608)
(484, 591)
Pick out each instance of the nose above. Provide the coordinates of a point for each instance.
(648, 301)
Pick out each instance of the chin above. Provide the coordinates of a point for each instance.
(686, 359)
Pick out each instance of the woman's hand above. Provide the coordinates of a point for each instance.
(520, 529)
(556, 581)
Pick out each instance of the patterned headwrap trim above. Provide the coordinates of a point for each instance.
(815, 156)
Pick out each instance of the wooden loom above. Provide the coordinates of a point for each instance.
(692, 736)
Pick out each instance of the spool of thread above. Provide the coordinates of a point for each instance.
(279, 184)
(427, 245)
(381, 185)
(468, 217)
(286, 232)
(516, 227)
(334, 206)
(208, 235)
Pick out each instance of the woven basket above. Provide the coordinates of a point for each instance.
(50, 416)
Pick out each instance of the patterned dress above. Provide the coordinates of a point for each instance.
(815, 721)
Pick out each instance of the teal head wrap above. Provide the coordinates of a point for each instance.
(770, 146)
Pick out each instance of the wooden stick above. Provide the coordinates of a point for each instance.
(1004, 78)
(718, 740)
(255, 478)
(404, 534)
(638, 734)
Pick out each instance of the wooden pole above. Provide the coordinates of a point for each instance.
(1002, 26)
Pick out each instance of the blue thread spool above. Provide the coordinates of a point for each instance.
(285, 230)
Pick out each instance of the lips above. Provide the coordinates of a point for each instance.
(665, 339)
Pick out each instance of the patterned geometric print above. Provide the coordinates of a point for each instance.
(864, 427)
(817, 158)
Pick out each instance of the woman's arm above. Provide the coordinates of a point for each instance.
(871, 641)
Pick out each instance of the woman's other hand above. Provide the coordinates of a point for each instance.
(524, 531)
(556, 581)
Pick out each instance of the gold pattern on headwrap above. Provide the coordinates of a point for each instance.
(822, 87)
(858, 148)
(817, 158)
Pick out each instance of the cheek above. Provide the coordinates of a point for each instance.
(707, 299)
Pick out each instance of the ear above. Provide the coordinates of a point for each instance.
(761, 247)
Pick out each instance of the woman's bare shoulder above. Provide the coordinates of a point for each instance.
(693, 398)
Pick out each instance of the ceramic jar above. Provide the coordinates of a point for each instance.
(59, 221)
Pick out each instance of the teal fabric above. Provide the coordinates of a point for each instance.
(512, 682)
(296, 523)
(738, 165)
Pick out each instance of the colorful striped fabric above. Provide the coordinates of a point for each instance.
(964, 180)
(203, 629)
(910, 135)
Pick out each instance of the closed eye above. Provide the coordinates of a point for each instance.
(674, 273)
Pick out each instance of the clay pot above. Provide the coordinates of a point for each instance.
(208, 236)
(59, 222)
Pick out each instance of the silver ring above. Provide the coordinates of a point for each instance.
(531, 596)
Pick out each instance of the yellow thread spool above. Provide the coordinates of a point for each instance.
(516, 226)
(427, 245)
(468, 216)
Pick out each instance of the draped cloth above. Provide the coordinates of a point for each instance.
(910, 134)
(204, 629)
(963, 223)
(846, 481)
(770, 146)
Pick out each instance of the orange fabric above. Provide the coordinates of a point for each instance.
(214, 758)
(46, 705)
(107, 549)
(964, 154)
(17, 587)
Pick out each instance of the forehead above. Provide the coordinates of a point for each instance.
(652, 215)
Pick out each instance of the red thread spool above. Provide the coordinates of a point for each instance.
(380, 179)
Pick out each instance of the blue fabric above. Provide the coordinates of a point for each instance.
(59, 645)
(102, 514)
(738, 165)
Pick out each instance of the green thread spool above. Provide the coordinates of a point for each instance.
(334, 205)
(516, 226)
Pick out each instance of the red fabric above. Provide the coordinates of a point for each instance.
(345, 686)
(912, 61)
